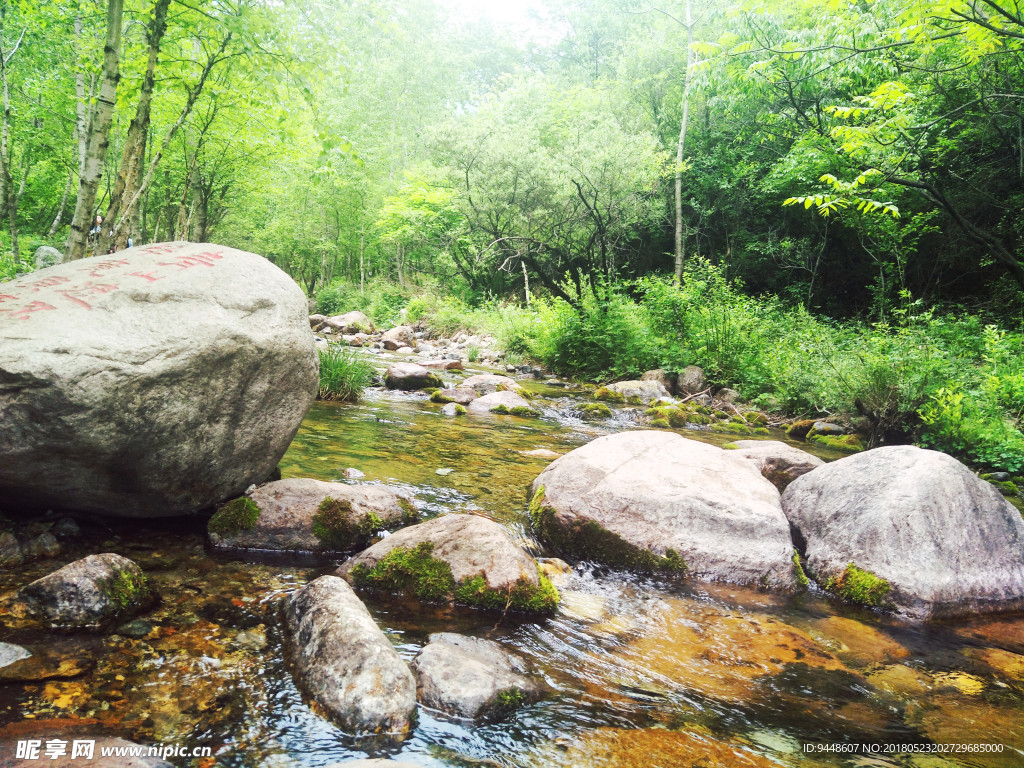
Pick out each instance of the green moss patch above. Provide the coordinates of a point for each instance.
(849, 443)
(337, 526)
(127, 588)
(460, 410)
(591, 541)
(609, 396)
(634, 400)
(418, 573)
(509, 699)
(410, 514)
(595, 411)
(859, 586)
(235, 517)
(798, 570)
(798, 429)
(438, 397)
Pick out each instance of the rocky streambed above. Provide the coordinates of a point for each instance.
(630, 669)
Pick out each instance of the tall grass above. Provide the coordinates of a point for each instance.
(343, 374)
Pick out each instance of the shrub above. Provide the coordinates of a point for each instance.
(343, 373)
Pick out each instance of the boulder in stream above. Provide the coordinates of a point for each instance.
(410, 376)
(345, 663)
(461, 559)
(487, 383)
(909, 529)
(503, 403)
(87, 594)
(306, 515)
(471, 677)
(398, 337)
(350, 322)
(653, 500)
(639, 392)
(153, 382)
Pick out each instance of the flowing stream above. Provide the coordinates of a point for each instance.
(641, 672)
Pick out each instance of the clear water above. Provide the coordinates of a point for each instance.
(641, 672)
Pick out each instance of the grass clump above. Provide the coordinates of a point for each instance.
(509, 699)
(859, 586)
(343, 374)
(127, 587)
(236, 516)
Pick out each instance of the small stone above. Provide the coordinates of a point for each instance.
(44, 545)
(10, 551)
(254, 639)
(10, 653)
(66, 528)
(138, 628)
(444, 471)
(353, 474)
(540, 453)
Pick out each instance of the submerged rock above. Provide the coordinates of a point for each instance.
(656, 501)
(410, 376)
(345, 663)
(86, 594)
(471, 677)
(463, 559)
(302, 514)
(780, 463)
(154, 382)
(909, 529)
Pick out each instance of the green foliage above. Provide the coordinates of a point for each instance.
(127, 588)
(509, 699)
(234, 517)
(381, 301)
(343, 373)
(859, 586)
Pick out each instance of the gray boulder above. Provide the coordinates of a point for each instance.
(345, 663)
(487, 568)
(659, 375)
(154, 382)
(779, 462)
(452, 409)
(946, 541)
(501, 402)
(488, 383)
(691, 381)
(398, 337)
(45, 256)
(471, 677)
(87, 594)
(350, 322)
(443, 365)
(642, 391)
(653, 500)
(410, 376)
(460, 395)
(306, 515)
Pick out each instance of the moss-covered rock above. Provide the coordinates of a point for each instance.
(798, 429)
(438, 396)
(609, 396)
(234, 517)
(848, 443)
(595, 411)
(859, 586)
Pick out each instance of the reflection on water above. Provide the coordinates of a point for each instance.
(642, 672)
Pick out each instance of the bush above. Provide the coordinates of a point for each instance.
(343, 374)
(381, 302)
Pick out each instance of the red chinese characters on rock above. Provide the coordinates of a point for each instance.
(79, 294)
(188, 260)
(22, 313)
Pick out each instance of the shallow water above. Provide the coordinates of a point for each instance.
(641, 672)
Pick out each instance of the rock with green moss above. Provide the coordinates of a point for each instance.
(460, 395)
(798, 429)
(453, 409)
(489, 383)
(345, 663)
(779, 462)
(859, 586)
(609, 395)
(455, 559)
(639, 392)
(656, 501)
(473, 678)
(595, 411)
(410, 376)
(846, 443)
(89, 594)
(501, 403)
(306, 515)
(946, 542)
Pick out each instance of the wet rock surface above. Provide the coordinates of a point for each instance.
(410, 376)
(471, 677)
(346, 663)
(306, 515)
(503, 403)
(657, 501)
(779, 462)
(154, 382)
(945, 542)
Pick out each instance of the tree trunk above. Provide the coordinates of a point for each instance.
(99, 135)
(129, 171)
(60, 208)
(679, 148)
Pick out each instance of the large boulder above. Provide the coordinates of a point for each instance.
(503, 403)
(639, 392)
(463, 559)
(87, 594)
(345, 663)
(398, 337)
(942, 541)
(350, 322)
(488, 383)
(46, 256)
(691, 380)
(154, 382)
(779, 462)
(411, 376)
(471, 677)
(654, 500)
(306, 515)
